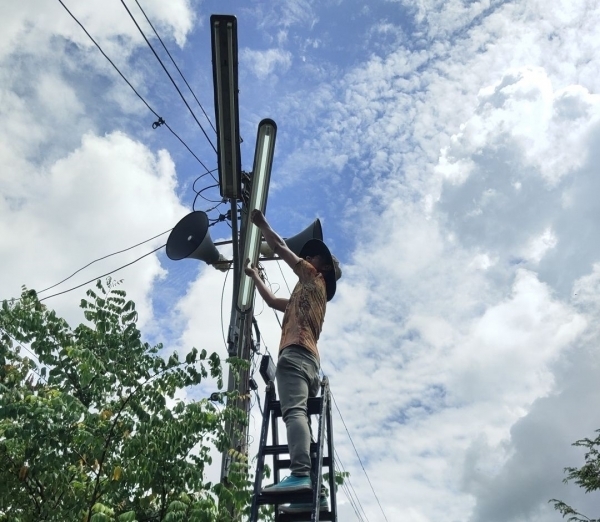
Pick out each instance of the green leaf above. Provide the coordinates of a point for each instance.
(101, 432)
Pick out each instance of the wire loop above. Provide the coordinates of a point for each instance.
(158, 123)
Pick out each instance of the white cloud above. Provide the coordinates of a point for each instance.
(450, 322)
(32, 23)
(266, 63)
(460, 170)
(289, 14)
(106, 195)
(540, 245)
(549, 129)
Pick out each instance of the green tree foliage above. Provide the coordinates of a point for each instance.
(86, 430)
(587, 477)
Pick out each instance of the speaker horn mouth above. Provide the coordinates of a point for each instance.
(190, 238)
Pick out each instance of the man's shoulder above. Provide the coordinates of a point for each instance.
(304, 269)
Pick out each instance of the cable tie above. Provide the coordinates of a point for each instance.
(158, 123)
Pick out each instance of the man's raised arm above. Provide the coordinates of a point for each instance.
(273, 239)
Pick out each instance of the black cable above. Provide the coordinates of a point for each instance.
(348, 484)
(283, 275)
(172, 60)
(215, 207)
(40, 376)
(184, 144)
(104, 257)
(168, 74)
(271, 287)
(199, 194)
(286, 284)
(160, 121)
(263, 343)
(259, 404)
(359, 459)
(257, 333)
(205, 174)
(348, 493)
(222, 321)
(103, 275)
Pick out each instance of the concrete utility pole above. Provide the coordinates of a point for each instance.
(190, 237)
(252, 194)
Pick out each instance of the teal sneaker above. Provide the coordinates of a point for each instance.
(303, 507)
(289, 485)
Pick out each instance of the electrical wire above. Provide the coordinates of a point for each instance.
(263, 343)
(199, 193)
(348, 485)
(176, 67)
(210, 172)
(169, 75)
(222, 320)
(358, 456)
(104, 257)
(353, 503)
(160, 121)
(259, 404)
(283, 275)
(271, 286)
(103, 275)
(40, 376)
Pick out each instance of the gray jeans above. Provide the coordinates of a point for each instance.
(297, 379)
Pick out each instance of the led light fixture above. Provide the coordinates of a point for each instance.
(225, 78)
(261, 176)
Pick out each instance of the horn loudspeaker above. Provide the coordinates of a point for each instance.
(190, 239)
(295, 243)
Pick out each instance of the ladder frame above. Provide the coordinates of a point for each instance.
(272, 411)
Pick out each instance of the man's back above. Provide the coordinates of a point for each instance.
(305, 312)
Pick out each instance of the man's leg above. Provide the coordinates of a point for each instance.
(297, 379)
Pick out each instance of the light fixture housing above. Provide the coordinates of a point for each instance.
(225, 79)
(259, 190)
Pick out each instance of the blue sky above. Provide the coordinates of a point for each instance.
(449, 149)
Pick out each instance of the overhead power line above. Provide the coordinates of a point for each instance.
(103, 257)
(347, 486)
(160, 121)
(358, 456)
(176, 67)
(103, 275)
(168, 74)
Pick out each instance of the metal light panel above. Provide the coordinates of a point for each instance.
(225, 78)
(261, 176)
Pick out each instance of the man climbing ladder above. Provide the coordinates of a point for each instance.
(297, 372)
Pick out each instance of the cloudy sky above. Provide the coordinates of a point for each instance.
(450, 149)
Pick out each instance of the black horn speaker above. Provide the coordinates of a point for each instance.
(190, 239)
(295, 243)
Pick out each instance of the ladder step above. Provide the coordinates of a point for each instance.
(304, 517)
(313, 406)
(286, 463)
(284, 498)
(282, 449)
(316, 406)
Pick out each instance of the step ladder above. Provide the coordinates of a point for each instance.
(320, 406)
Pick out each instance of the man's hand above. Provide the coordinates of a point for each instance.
(258, 218)
(275, 242)
(250, 270)
(278, 303)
